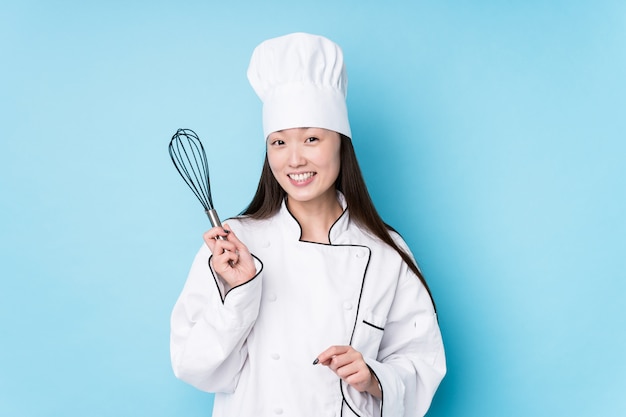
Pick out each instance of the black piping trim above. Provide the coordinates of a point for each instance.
(374, 326)
(215, 278)
(382, 395)
(346, 402)
(333, 225)
(369, 258)
(358, 306)
(329, 230)
(382, 392)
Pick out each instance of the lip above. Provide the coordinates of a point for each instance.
(301, 178)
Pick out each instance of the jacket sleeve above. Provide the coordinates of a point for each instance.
(209, 330)
(410, 362)
(411, 359)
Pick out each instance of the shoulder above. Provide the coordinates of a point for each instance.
(242, 222)
(376, 242)
(246, 227)
(379, 249)
(389, 256)
(399, 240)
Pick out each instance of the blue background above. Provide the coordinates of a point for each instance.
(491, 135)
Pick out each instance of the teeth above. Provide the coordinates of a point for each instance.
(301, 177)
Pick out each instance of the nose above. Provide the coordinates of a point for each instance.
(296, 156)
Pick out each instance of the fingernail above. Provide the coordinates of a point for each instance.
(316, 361)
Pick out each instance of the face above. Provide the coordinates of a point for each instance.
(305, 162)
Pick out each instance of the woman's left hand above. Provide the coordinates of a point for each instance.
(349, 365)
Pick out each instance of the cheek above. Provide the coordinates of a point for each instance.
(335, 165)
(337, 169)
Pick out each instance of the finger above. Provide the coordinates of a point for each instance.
(216, 232)
(231, 256)
(325, 357)
(349, 369)
(220, 248)
(346, 359)
(225, 249)
(361, 380)
(232, 237)
(211, 236)
(220, 264)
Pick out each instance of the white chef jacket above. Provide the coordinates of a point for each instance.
(254, 347)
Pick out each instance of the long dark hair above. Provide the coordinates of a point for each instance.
(269, 197)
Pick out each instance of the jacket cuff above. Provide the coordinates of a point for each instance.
(364, 404)
(240, 305)
(391, 387)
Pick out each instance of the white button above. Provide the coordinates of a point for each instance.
(347, 305)
(278, 410)
(275, 356)
(360, 254)
(271, 297)
(266, 244)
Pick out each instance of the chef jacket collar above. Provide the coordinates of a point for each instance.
(294, 231)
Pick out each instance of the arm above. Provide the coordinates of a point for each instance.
(399, 338)
(411, 360)
(209, 328)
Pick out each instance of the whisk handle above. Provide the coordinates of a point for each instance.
(214, 219)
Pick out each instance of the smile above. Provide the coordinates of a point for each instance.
(302, 176)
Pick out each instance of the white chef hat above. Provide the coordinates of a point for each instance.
(301, 80)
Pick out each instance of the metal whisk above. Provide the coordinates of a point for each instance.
(189, 158)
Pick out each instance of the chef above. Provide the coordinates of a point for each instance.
(307, 304)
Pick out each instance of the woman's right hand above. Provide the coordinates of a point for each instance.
(231, 258)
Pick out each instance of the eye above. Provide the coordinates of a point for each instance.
(311, 139)
(277, 142)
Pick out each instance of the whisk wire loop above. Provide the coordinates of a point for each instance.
(189, 158)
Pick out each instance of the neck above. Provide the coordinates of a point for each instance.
(316, 217)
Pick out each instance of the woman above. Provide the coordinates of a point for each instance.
(307, 304)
